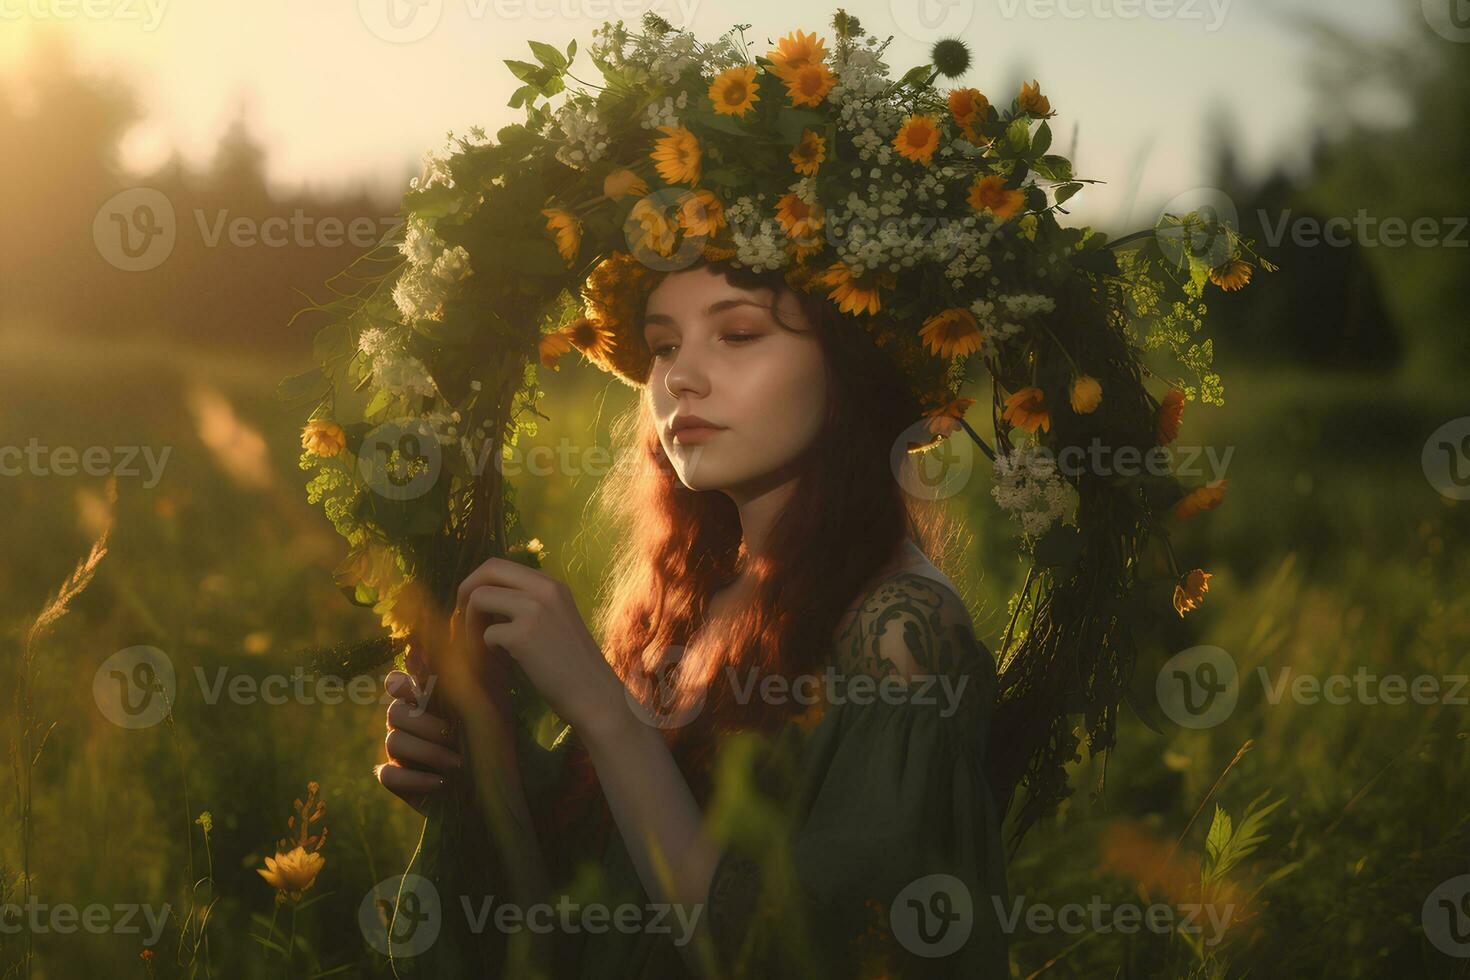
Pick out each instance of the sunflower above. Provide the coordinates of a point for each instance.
(917, 139)
(733, 91)
(613, 292)
(1171, 413)
(802, 249)
(656, 231)
(990, 193)
(621, 183)
(855, 294)
(1026, 409)
(1189, 594)
(592, 339)
(1232, 275)
(797, 217)
(967, 107)
(676, 155)
(553, 345)
(809, 153)
(292, 872)
(795, 51)
(568, 232)
(701, 213)
(1086, 395)
(809, 84)
(1201, 499)
(945, 419)
(1032, 101)
(951, 333)
(321, 437)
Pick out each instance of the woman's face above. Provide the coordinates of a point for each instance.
(720, 355)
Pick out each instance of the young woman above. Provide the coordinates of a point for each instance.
(768, 536)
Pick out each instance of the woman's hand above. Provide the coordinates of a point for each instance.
(422, 748)
(512, 609)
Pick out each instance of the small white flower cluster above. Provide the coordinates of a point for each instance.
(966, 243)
(586, 136)
(994, 331)
(665, 113)
(374, 342)
(1027, 484)
(434, 171)
(763, 248)
(873, 124)
(667, 56)
(429, 279)
(403, 374)
(861, 73)
(609, 41)
(442, 424)
(1021, 305)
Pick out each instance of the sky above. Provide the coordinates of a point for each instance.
(350, 93)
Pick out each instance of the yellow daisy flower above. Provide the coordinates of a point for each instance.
(855, 294)
(656, 230)
(798, 218)
(321, 437)
(676, 155)
(292, 872)
(1232, 275)
(733, 91)
(553, 345)
(951, 333)
(809, 153)
(1026, 410)
(1086, 395)
(967, 107)
(990, 193)
(701, 213)
(568, 231)
(796, 50)
(1201, 499)
(809, 84)
(944, 420)
(1032, 101)
(1189, 594)
(917, 139)
(621, 183)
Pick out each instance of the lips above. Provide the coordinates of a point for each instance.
(692, 428)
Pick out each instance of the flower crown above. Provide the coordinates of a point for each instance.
(929, 218)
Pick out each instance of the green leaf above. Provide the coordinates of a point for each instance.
(1018, 133)
(307, 386)
(523, 70)
(1042, 140)
(1054, 167)
(791, 123)
(571, 50)
(720, 123)
(1065, 192)
(547, 55)
(522, 95)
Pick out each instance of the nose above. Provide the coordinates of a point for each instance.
(687, 373)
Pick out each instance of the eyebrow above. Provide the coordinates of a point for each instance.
(716, 307)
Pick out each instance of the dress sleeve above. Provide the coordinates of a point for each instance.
(895, 847)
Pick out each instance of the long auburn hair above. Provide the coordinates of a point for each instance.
(846, 519)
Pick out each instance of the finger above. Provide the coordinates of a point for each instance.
(402, 686)
(490, 601)
(506, 574)
(404, 717)
(414, 751)
(409, 785)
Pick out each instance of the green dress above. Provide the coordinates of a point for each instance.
(861, 839)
